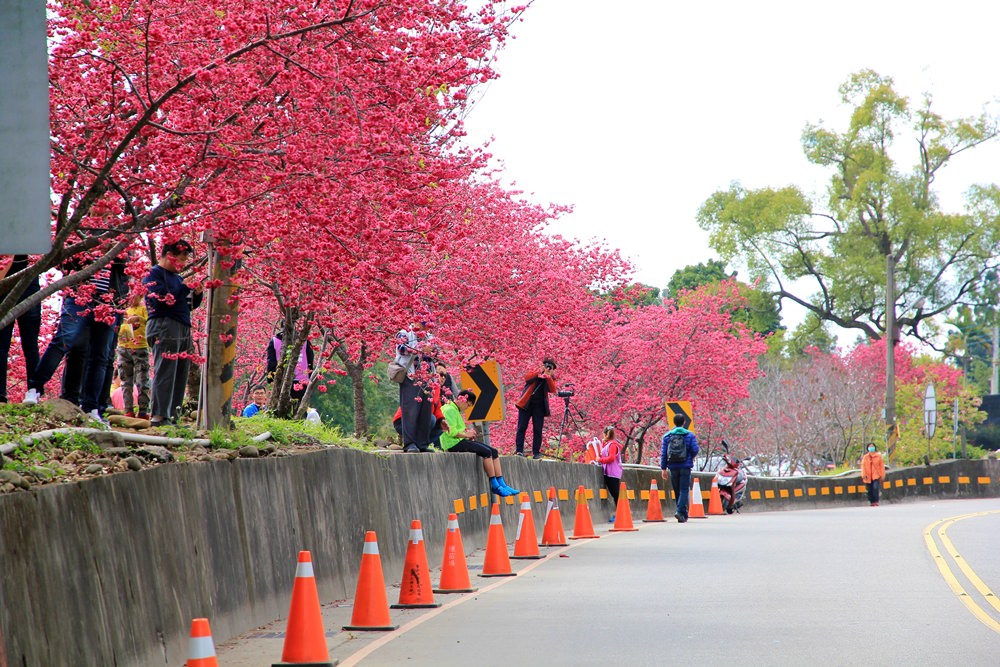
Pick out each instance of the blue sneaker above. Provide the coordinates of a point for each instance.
(612, 519)
(513, 491)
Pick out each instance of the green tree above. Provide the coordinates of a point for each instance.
(873, 212)
(811, 332)
(761, 312)
(336, 406)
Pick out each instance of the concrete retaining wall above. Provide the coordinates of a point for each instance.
(112, 570)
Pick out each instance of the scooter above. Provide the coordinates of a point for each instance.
(732, 481)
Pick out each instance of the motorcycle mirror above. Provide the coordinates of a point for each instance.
(725, 445)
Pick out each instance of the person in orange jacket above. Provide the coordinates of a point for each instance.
(533, 406)
(872, 473)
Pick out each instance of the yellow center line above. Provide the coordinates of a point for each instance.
(949, 576)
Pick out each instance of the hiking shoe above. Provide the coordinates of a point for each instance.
(411, 449)
(612, 519)
(504, 491)
(96, 416)
(521, 454)
(513, 491)
(31, 397)
(536, 456)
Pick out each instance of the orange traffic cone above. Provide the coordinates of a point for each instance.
(583, 526)
(371, 608)
(305, 640)
(526, 543)
(454, 571)
(201, 648)
(496, 563)
(623, 513)
(553, 535)
(415, 587)
(696, 504)
(654, 513)
(714, 499)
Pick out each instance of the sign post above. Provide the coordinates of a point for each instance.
(930, 416)
(484, 381)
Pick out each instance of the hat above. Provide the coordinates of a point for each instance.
(178, 247)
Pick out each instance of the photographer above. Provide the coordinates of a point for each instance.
(533, 406)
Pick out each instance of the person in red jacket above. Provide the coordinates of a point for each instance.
(872, 473)
(533, 406)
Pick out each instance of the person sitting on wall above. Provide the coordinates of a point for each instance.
(457, 437)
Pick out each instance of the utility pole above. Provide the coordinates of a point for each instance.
(995, 378)
(890, 353)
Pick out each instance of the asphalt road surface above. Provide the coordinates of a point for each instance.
(847, 586)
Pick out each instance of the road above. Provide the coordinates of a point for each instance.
(842, 586)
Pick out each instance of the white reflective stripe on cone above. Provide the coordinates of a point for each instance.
(371, 549)
(453, 525)
(525, 506)
(416, 535)
(494, 519)
(520, 522)
(201, 648)
(303, 570)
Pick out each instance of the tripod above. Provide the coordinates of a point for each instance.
(568, 418)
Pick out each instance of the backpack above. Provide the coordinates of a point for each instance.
(677, 450)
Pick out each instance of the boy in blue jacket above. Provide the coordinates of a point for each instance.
(677, 452)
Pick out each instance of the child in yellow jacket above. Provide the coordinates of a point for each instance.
(133, 358)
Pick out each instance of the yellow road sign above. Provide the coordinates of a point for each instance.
(680, 408)
(484, 381)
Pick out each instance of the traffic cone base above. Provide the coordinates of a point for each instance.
(623, 513)
(454, 571)
(583, 526)
(696, 504)
(371, 609)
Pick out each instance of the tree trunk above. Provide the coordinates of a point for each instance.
(294, 336)
(356, 371)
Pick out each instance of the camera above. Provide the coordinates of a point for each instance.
(566, 391)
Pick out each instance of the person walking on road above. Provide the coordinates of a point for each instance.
(610, 459)
(677, 452)
(872, 473)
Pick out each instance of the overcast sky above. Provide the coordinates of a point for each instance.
(636, 112)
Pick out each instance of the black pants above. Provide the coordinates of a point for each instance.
(28, 326)
(873, 490)
(479, 449)
(418, 415)
(614, 485)
(535, 413)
